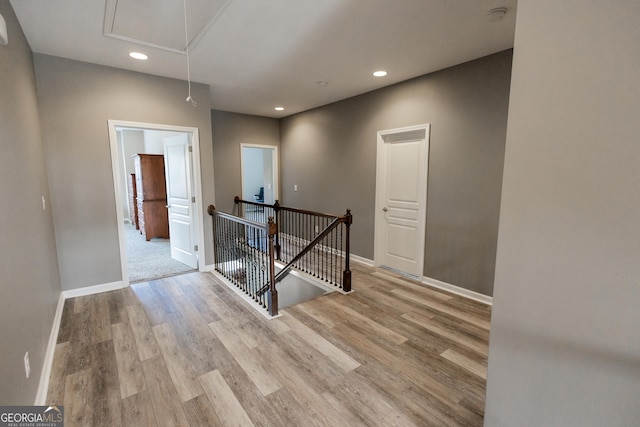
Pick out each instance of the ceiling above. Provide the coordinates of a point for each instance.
(256, 54)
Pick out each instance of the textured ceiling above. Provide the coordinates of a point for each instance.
(256, 54)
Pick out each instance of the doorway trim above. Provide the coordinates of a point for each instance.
(381, 193)
(118, 176)
(274, 164)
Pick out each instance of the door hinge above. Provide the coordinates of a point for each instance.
(193, 199)
(190, 149)
(195, 248)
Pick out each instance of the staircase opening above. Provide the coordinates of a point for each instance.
(277, 256)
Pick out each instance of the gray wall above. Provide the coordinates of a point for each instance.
(29, 278)
(76, 100)
(229, 131)
(330, 154)
(565, 335)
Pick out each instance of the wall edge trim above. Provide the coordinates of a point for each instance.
(95, 289)
(47, 364)
(361, 260)
(476, 296)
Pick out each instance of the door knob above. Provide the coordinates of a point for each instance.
(384, 209)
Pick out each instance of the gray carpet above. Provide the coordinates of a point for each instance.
(150, 260)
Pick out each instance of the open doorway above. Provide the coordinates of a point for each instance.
(167, 243)
(259, 164)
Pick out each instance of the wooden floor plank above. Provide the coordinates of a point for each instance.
(254, 366)
(351, 316)
(312, 310)
(180, 370)
(426, 322)
(145, 341)
(198, 343)
(127, 360)
(470, 365)
(416, 289)
(330, 351)
(137, 410)
(117, 307)
(100, 318)
(107, 410)
(318, 410)
(78, 399)
(225, 404)
(66, 328)
(163, 395)
(56, 390)
(444, 308)
(200, 412)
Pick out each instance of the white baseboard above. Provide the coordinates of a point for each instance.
(476, 296)
(209, 267)
(361, 260)
(43, 385)
(90, 290)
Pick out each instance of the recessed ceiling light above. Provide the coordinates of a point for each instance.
(279, 108)
(496, 14)
(380, 73)
(138, 55)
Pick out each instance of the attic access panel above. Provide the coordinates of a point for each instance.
(160, 23)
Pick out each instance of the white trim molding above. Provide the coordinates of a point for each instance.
(476, 296)
(43, 385)
(361, 260)
(90, 290)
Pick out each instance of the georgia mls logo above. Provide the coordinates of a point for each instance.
(31, 416)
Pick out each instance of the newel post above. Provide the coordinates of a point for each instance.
(346, 274)
(276, 210)
(273, 292)
(237, 206)
(211, 210)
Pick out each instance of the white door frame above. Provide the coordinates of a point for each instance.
(381, 196)
(118, 176)
(274, 160)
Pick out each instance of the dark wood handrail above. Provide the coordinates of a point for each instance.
(212, 210)
(276, 206)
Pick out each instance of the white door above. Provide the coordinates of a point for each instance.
(401, 198)
(180, 199)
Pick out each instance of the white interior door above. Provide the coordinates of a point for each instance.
(180, 199)
(401, 196)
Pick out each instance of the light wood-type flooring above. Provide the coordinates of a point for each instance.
(187, 351)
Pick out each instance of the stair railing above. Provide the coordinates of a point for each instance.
(244, 254)
(315, 243)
